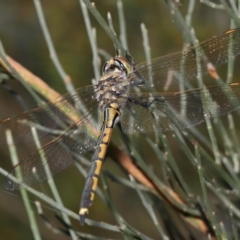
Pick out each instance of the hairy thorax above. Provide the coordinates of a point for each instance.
(113, 85)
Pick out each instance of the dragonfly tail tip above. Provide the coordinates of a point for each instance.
(82, 215)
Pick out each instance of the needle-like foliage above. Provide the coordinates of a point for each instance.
(176, 185)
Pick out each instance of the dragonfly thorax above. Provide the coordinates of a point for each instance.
(113, 85)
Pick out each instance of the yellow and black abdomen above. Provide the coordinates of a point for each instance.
(110, 116)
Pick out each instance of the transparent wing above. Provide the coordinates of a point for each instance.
(78, 138)
(182, 66)
(160, 112)
(49, 117)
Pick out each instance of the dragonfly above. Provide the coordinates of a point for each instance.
(125, 94)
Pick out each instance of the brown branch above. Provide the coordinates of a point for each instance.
(130, 167)
(34, 81)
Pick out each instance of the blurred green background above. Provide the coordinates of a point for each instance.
(23, 40)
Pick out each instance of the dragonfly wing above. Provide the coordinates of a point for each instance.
(79, 138)
(49, 117)
(182, 66)
(160, 112)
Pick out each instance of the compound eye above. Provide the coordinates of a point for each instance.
(115, 65)
(111, 66)
(120, 65)
(105, 68)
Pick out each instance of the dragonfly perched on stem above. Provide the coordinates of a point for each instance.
(126, 94)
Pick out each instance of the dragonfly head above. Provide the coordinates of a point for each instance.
(118, 65)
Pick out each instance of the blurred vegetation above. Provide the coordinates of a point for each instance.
(22, 38)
